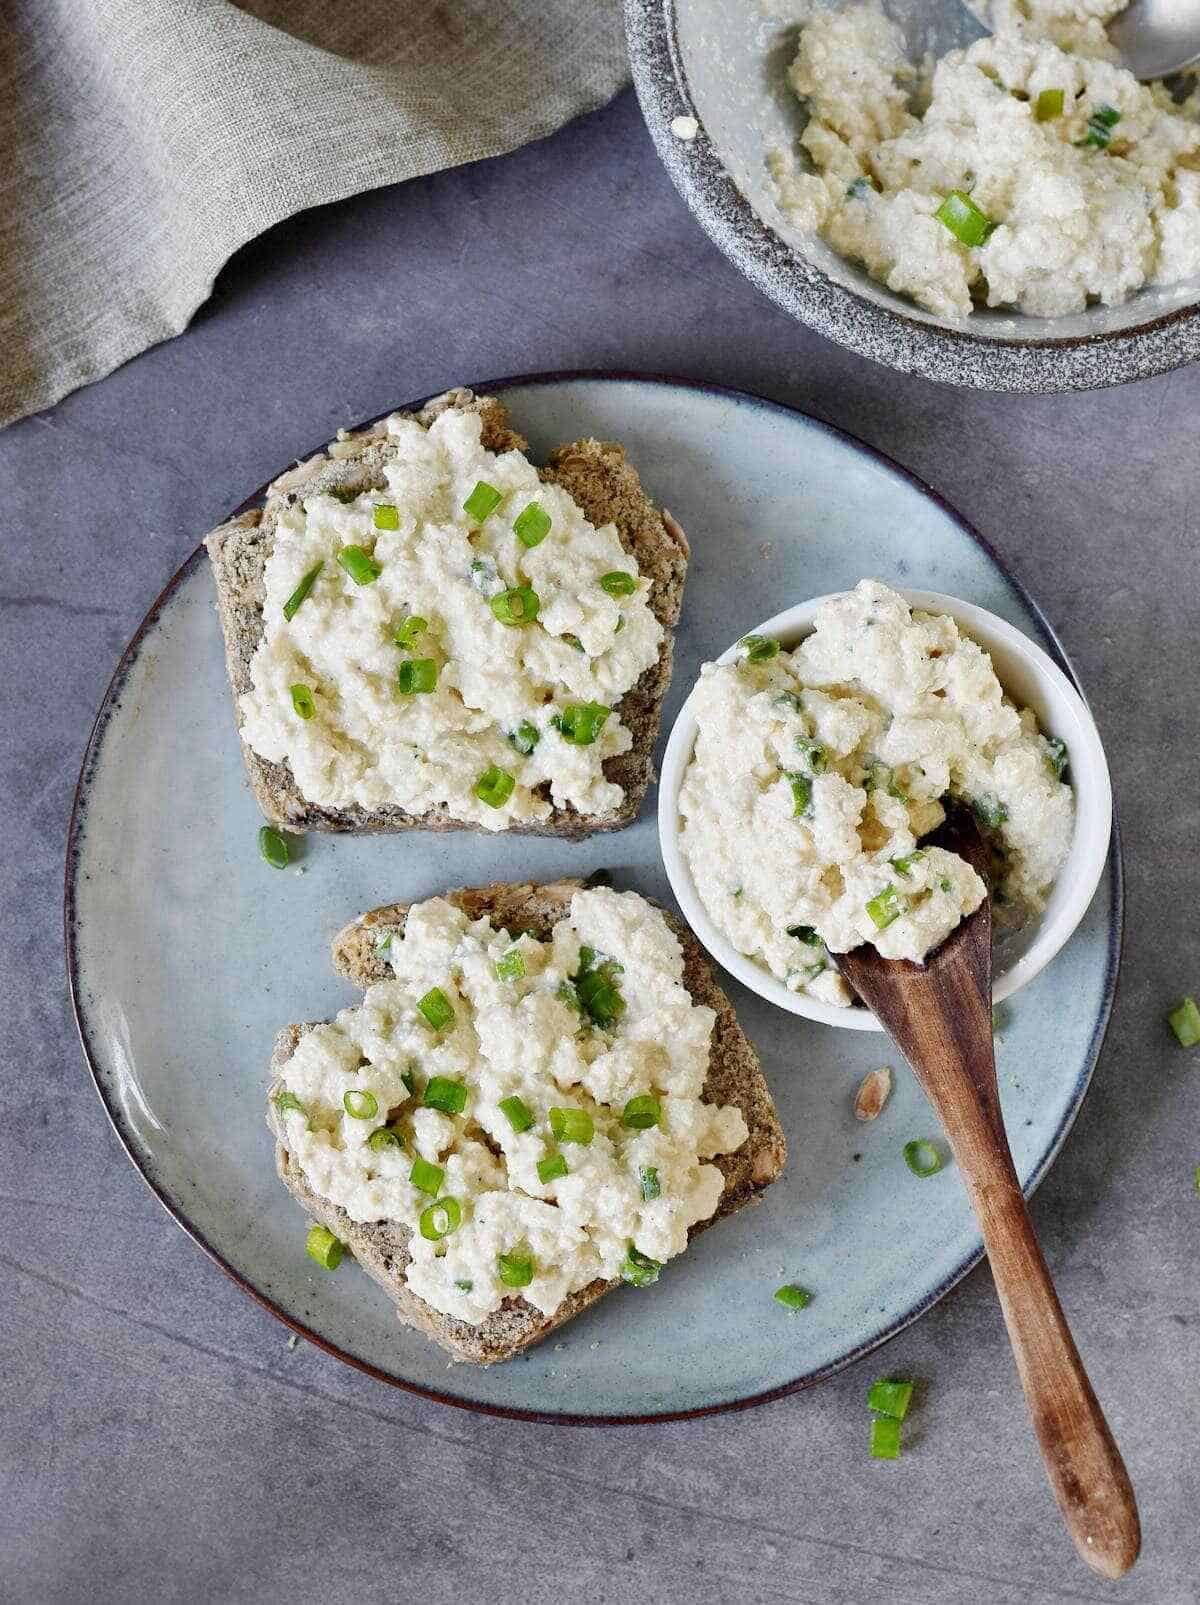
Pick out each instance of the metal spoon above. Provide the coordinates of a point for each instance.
(1157, 37)
(940, 1017)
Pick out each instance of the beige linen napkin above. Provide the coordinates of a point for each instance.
(143, 141)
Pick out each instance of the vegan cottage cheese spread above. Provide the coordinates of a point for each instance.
(1030, 172)
(463, 643)
(815, 774)
(475, 1055)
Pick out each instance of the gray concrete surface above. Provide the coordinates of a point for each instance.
(158, 1439)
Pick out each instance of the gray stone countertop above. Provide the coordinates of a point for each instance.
(159, 1442)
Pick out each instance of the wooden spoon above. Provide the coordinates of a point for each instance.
(940, 1017)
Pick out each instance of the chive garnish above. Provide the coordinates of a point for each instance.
(387, 516)
(964, 219)
(435, 1006)
(990, 811)
(642, 1112)
(416, 675)
(324, 1247)
(286, 1100)
(551, 1169)
(301, 591)
(581, 722)
(525, 737)
(1100, 126)
(1185, 1022)
(885, 1438)
(360, 1105)
(805, 933)
(515, 1270)
(406, 634)
(426, 1178)
(572, 1125)
(802, 792)
(759, 648)
(517, 1112)
(519, 605)
(792, 1296)
(510, 966)
(273, 847)
(444, 1094)
(618, 583)
(890, 1398)
(885, 908)
(440, 1219)
(1048, 105)
(922, 1158)
(638, 1269)
(482, 501)
(360, 565)
(648, 1176)
(302, 701)
(532, 526)
(1057, 757)
(494, 786)
(385, 1137)
(903, 866)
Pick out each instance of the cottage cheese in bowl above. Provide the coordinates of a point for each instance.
(814, 776)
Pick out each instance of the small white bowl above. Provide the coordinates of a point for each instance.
(1032, 680)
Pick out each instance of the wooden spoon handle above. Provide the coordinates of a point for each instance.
(1083, 1462)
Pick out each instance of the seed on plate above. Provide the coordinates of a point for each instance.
(875, 1091)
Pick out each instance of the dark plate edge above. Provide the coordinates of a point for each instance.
(110, 702)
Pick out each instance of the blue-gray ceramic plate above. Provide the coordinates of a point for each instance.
(186, 953)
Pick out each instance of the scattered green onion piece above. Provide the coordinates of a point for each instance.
(638, 1269)
(618, 583)
(551, 1169)
(361, 566)
(990, 811)
(890, 1398)
(811, 971)
(793, 1297)
(301, 591)
(859, 189)
(1196, 1178)
(1057, 756)
(574, 641)
(483, 576)
(651, 1188)
(1048, 105)
(567, 994)
(273, 847)
(387, 516)
(383, 1137)
(287, 1100)
(922, 1158)
(416, 675)
(344, 494)
(302, 701)
(482, 501)
(444, 1094)
(946, 884)
(510, 966)
(1100, 126)
(517, 1112)
(532, 526)
(642, 1112)
(1185, 1022)
(525, 737)
(324, 1247)
(361, 1105)
(759, 648)
(519, 605)
(426, 1178)
(436, 1008)
(515, 1270)
(581, 722)
(814, 753)
(409, 1080)
(805, 933)
(572, 1125)
(903, 866)
(440, 1219)
(464, 1286)
(885, 1438)
(885, 908)
(963, 218)
(494, 786)
(406, 634)
(802, 790)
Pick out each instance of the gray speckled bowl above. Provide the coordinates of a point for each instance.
(725, 65)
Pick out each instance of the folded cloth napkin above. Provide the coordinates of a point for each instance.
(143, 141)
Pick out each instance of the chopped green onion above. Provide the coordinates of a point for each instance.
(638, 1269)
(990, 811)
(793, 1297)
(361, 1105)
(287, 1100)
(525, 737)
(515, 1270)
(1057, 756)
(885, 908)
(464, 1286)
(946, 884)
(361, 566)
(581, 722)
(811, 971)
(596, 988)
(1100, 126)
(384, 1137)
(406, 634)
(273, 847)
(642, 1112)
(964, 219)
(417, 675)
(302, 701)
(879, 777)
(885, 1438)
(482, 501)
(387, 516)
(574, 641)
(648, 1175)
(440, 1219)
(1185, 1022)
(551, 1169)
(436, 1008)
(922, 1158)
(805, 933)
(517, 1112)
(324, 1247)
(903, 866)
(1048, 105)
(759, 648)
(444, 1094)
(510, 966)
(409, 1080)
(301, 591)
(890, 1398)
(572, 1125)
(859, 189)
(618, 583)
(519, 605)
(802, 790)
(567, 994)
(483, 576)
(1196, 1178)
(426, 1178)
(532, 526)
(814, 752)
(494, 786)
(344, 494)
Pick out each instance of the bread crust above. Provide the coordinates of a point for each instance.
(381, 1248)
(607, 488)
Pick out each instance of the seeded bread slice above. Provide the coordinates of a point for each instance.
(381, 1248)
(601, 481)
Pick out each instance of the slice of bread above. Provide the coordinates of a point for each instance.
(602, 483)
(381, 1248)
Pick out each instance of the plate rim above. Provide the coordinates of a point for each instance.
(110, 702)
